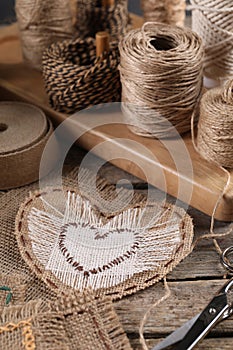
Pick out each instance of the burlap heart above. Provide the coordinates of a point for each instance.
(75, 246)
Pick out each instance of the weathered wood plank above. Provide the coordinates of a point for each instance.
(206, 344)
(187, 299)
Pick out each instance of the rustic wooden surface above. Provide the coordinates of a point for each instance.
(193, 282)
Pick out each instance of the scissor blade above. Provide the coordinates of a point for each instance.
(177, 335)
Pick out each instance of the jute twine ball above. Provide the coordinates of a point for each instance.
(164, 11)
(162, 77)
(92, 16)
(41, 23)
(76, 79)
(215, 128)
(213, 21)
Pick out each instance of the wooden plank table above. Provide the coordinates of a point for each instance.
(192, 283)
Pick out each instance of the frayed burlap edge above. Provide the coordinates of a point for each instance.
(45, 323)
(139, 281)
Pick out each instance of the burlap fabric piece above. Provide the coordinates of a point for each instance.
(162, 251)
(92, 18)
(12, 289)
(73, 322)
(25, 131)
(11, 262)
(76, 79)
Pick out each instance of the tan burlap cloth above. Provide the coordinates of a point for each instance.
(72, 322)
(24, 132)
(161, 246)
(78, 321)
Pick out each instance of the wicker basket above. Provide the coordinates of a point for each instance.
(76, 79)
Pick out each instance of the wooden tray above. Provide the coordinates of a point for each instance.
(201, 189)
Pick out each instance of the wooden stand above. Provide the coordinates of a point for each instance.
(108, 3)
(102, 43)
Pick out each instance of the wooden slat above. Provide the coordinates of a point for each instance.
(187, 299)
(206, 344)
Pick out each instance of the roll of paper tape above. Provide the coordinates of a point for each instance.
(24, 132)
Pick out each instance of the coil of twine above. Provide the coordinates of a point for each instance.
(161, 75)
(41, 23)
(164, 11)
(213, 21)
(92, 16)
(75, 78)
(215, 128)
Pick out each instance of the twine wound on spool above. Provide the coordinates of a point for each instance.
(76, 79)
(213, 21)
(161, 75)
(214, 143)
(164, 11)
(215, 136)
(41, 23)
(93, 16)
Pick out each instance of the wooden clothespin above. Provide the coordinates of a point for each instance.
(102, 43)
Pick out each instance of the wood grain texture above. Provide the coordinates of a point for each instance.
(188, 298)
(206, 344)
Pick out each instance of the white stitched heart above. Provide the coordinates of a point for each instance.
(82, 250)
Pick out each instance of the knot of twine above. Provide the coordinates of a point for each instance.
(41, 23)
(215, 136)
(93, 17)
(164, 11)
(213, 21)
(161, 75)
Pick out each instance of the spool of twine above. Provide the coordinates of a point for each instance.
(213, 21)
(215, 128)
(76, 78)
(95, 15)
(164, 11)
(41, 23)
(161, 75)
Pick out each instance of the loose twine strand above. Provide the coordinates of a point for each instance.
(166, 63)
(147, 314)
(213, 21)
(164, 11)
(41, 23)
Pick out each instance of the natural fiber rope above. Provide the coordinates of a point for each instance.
(164, 11)
(213, 21)
(41, 23)
(76, 79)
(92, 17)
(215, 137)
(147, 314)
(161, 75)
(214, 129)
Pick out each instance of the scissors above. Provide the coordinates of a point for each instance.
(220, 308)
